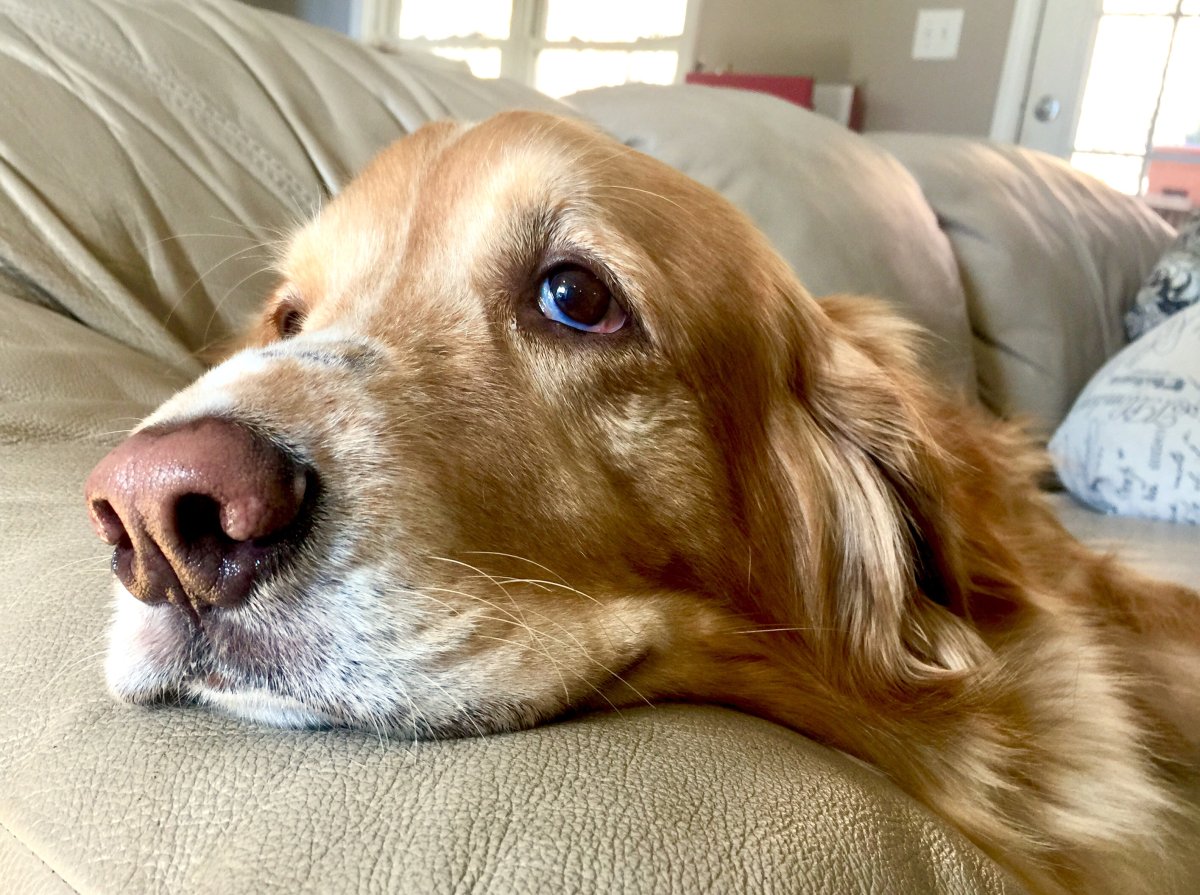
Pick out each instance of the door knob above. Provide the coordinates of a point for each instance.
(1047, 108)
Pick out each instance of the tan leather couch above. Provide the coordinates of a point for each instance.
(150, 153)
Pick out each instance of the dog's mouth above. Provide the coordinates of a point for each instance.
(185, 664)
(288, 667)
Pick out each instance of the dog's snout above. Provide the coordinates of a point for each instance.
(197, 513)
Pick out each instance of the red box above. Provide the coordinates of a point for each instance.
(794, 89)
(1175, 171)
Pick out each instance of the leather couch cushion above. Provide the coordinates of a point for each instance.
(1049, 260)
(1165, 550)
(155, 153)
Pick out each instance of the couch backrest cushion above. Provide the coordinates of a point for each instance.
(165, 147)
(844, 213)
(1050, 259)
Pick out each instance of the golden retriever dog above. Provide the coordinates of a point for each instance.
(534, 424)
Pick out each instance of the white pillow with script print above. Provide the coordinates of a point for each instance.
(1131, 443)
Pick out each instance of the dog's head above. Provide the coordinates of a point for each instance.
(531, 422)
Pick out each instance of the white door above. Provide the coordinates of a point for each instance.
(1056, 80)
(1114, 86)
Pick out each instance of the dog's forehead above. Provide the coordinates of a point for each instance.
(457, 178)
(442, 204)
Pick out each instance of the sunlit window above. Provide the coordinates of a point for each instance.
(617, 21)
(484, 62)
(444, 19)
(562, 72)
(1139, 122)
(558, 46)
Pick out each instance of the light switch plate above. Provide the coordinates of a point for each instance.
(938, 33)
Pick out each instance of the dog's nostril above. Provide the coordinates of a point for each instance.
(108, 523)
(197, 518)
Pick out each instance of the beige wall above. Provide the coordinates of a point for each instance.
(870, 43)
(778, 37)
(954, 96)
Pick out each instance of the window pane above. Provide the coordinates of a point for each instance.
(560, 72)
(616, 20)
(1191, 7)
(441, 19)
(1123, 83)
(1179, 114)
(484, 62)
(1121, 172)
(1140, 6)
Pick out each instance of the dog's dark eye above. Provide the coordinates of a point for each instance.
(576, 297)
(288, 318)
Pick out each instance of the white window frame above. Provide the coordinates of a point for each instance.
(518, 52)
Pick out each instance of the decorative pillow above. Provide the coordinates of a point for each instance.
(1131, 443)
(1172, 285)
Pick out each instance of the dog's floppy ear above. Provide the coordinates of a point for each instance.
(872, 549)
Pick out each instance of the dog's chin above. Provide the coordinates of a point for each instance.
(258, 706)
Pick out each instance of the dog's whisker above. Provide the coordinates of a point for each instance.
(585, 652)
(99, 561)
(511, 617)
(524, 559)
(282, 236)
(87, 659)
(110, 434)
(540, 650)
(517, 604)
(233, 256)
(797, 628)
(537, 584)
(546, 584)
(518, 621)
(523, 623)
(158, 242)
(521, 606)
(566, 690)
(457, 703)
(228, 292)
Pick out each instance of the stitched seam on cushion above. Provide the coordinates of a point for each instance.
(169, 87)
(58, 876)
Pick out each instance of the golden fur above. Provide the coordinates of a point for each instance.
(745, 496)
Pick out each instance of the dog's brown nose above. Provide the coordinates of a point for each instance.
(196, 513)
